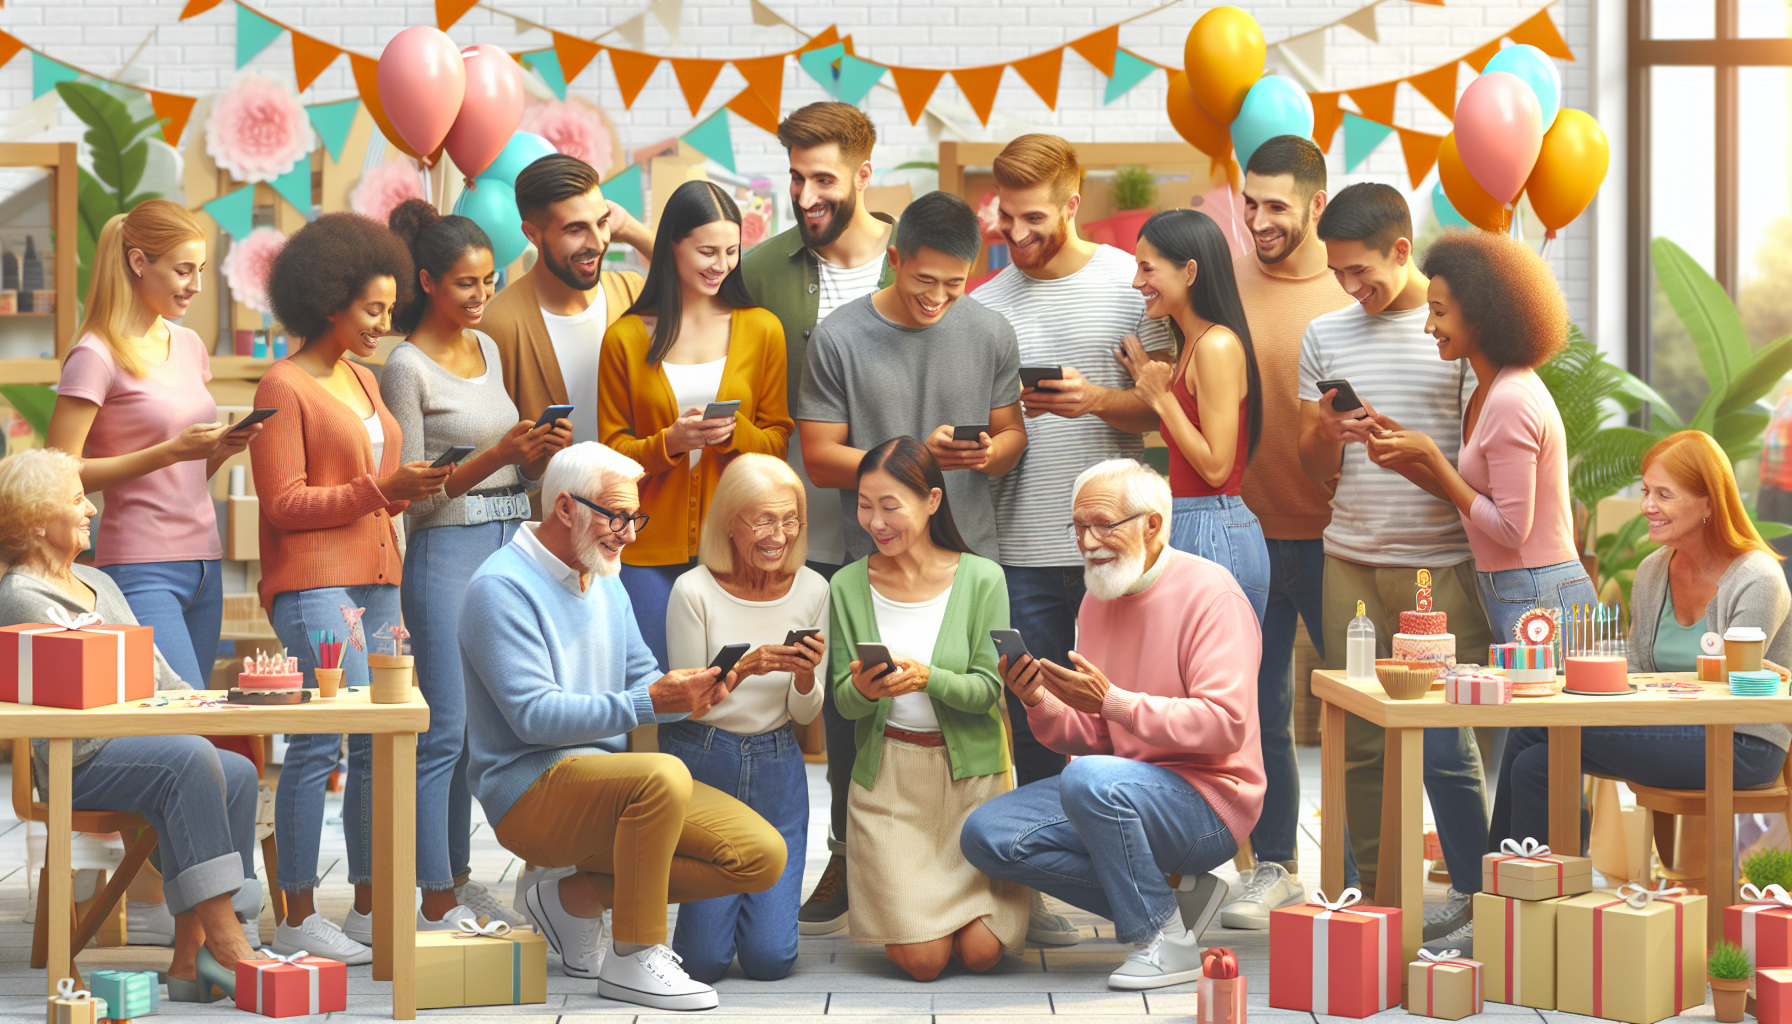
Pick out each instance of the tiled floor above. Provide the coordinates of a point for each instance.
(832, 977)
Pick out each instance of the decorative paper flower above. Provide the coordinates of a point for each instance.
(384, 186)
(248, 264)
(989, 219)
(752, 229)
(574, 127)
(257, 130)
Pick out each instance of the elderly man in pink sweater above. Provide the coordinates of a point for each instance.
(1159, 709)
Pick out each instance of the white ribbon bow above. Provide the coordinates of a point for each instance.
(1771, 894)
(1345, 899)
(65, 989)
(1638, 897)
(268, 954)
(468, 928)
(1529, 848)
(1448, 954)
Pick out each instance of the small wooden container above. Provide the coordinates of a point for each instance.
(392, 675)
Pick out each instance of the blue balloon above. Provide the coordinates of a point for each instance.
(1445, 211)
(522, 150)
(491, 204)
(1538, 72)
(1274, 106)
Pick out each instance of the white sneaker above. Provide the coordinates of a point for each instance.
(481, 903)
(320, 937)
(1165, 960)
(527, 879)
(449, 922)
(148, 924)
(358, 926)
(1271, 888)
(575, 939)
(1443, 918)
(653, 978)
(1045, 928)
(252, 931)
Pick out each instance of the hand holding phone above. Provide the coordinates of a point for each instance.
(1345, 400)
(1030, 376)
(873, 655)
(250, 420)
(552, 413)
(453, 455)
(725, 659)
(796, 636)
(972, 432)
(721, 410)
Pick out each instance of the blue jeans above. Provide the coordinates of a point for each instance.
(1668, 756)
(1508, 594)
(649, 592)
(199, 799)
(1042, 606)
(765, 772)
(184, 603)
(1101, 837)
(1296, 593)
(299, 802)
(438, 564)
(1219, 528)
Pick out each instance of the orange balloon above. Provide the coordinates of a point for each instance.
(1466, 194)
(1223, 58)
(1193, 123)
(1569, 169)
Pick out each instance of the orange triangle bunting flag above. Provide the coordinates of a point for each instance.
(174, 111)
(9, 47)
(695, 76)
(915, 86)
(310, 56)
(765, 76)
(632, 69)
(826, 37)
(367, 83)
(752, 108)
(1098, 49)
(1478, 59)
(1041, 72)
(574, 54)
(979, 86)
(1420, 151)
(450, 11)
(1376, 102)
(196, 7)
(1539, 31)
(1327, 116)
(1439, 86)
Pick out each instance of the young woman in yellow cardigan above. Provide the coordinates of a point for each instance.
(693, 338)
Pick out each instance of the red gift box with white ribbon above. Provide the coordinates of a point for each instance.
(76, 662)
(1773, 1001)
(291, 986)
(1762, 926)
(1338, 957)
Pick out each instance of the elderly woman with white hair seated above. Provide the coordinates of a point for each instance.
(751, 588)
(199, 799)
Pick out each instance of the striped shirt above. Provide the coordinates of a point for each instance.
(1378, 516)
(840, 285)
(1075, 321)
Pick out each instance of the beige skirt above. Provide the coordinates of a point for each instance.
(907, 881)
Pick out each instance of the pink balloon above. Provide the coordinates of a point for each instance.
(491, 110)
(1499, 132)
(422, 80)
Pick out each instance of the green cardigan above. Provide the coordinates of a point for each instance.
(962, 679)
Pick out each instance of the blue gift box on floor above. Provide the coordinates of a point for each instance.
(128, 994)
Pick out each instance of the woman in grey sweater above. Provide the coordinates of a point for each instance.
(199, 799)
(1713, 572)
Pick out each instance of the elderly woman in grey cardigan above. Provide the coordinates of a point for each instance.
(199, 799)
(1713, 572)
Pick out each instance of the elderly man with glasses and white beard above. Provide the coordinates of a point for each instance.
(1159, 709)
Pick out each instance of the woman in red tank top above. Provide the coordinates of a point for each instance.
(1185, 273)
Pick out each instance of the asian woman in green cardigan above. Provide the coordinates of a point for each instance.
(931, 746)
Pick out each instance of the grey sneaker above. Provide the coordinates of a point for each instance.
(1165, 960)
(480, 901)
(1045, 928)
(1199, 899)
(1271, 887)
(1462, 940)
(1442, 919)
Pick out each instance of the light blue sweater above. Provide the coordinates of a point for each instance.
(550, 674)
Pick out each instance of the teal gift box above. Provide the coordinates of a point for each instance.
(128, 994)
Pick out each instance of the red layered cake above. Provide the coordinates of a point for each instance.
(1424, 623)
(269, 673)
(1425, 636)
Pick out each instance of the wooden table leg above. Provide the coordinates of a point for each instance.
(395, 868)
(1564, 790)
(1720, 827)
(58, 895)
(1331, 799)
(1400, 873)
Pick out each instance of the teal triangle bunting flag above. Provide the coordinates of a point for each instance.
(1361, 136)
(234, 211)
(857, 77)
(713, 140)
(547, 64)
(819, 64)
(332, 122)
(624, 189)
(254, 33)
(45, 73)
(295, 186)
(1128, 72)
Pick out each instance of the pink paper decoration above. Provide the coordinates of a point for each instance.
(258, 130)
(248, 264)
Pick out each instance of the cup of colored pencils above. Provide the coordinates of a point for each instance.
(329, 662)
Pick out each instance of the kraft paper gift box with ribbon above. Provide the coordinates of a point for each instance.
(1528, 871)
(1635, 955)
(1219, 994)
(1515, 940)
(291, 986)
(74, 1006)
(1773, 998)
(78, 662)
(1477, 688)
(481, 965)
(1338, 957)
(1445, 985)
(128, 994)
(1762, 925)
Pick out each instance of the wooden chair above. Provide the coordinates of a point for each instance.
(29, 809)
(1665, 805)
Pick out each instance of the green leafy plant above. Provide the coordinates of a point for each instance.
(1728, 960)
(1134, 188)
(118, 146)
(33, 402)
(1769, 867)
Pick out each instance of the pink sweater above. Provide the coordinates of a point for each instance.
(1518, 459)
(1182, 660)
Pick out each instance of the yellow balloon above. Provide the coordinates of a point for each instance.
(1569, 169)
(1223, 58)
(1466, 194)
(1193, 123)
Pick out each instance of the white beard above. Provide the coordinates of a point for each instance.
(594, 559)
(1112, 579)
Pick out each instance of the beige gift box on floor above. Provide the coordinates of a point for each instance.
(1528, 929)
(1635, 955)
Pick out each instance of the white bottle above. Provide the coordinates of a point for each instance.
(1359, 648)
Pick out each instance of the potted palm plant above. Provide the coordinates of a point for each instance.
(1134, 197)
(1728, 970)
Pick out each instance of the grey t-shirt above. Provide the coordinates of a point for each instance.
(883, 380)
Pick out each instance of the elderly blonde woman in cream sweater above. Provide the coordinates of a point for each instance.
(751, 587)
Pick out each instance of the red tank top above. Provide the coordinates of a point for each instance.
(1185, 480)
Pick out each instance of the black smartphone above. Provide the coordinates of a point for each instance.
(554, 412)
(797, 636)
(250, 420)
(1009, 644)
(876, 654)
(1345, 400)
(454, 454)
(726, 657)
(970, 432)
(721, 410)
(1030, 376)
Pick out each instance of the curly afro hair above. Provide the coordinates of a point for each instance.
(1506, 290)
(329, 262)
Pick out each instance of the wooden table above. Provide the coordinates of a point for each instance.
(1400, 878)
(394, 728)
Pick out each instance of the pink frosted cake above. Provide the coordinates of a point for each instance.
(269, 673)
(1598, 673)
(1425, 636)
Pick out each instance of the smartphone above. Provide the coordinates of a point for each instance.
(726, 657)
(876, 654)
(1009, 644)
(797, 636)
(970, 432)
(554, 412)
(250, 420)
(721, 410)
(1345, 400)
(455, 453)
(1030, 376)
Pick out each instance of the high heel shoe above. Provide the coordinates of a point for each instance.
(211, 975)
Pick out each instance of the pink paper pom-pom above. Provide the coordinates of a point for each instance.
(383, 187)
(248, 264)
(257, 130)
(752, 229)
(574, 128)
(989, 218)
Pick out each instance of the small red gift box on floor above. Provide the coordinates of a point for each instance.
(291, 986)
(1337, 957)
(1762, 926)
(76, 663)
(1773, 996)
(1219, 995)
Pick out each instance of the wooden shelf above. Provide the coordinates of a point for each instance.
(239, 367)
(8, 316)
(59, 159)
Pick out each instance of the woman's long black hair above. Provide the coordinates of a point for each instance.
(913, 466)
(436, 243)
(693, 204)
(1183, 235)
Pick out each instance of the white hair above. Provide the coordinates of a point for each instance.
(1142, 488)
(585, 469)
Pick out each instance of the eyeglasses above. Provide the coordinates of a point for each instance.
(1102, 531)
(618, 520)
(765, 526)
